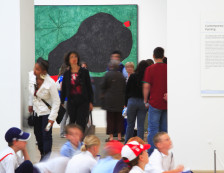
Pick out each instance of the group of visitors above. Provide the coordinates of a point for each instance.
(79, 156)
(138, 90)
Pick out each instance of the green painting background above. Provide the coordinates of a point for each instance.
(54, 24)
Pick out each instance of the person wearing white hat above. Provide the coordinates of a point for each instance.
(10, 162)
(136, 156)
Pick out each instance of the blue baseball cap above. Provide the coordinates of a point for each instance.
(15, 133)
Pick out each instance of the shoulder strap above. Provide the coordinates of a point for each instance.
(49, 106)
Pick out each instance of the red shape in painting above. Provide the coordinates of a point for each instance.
(55, 78)
(127, 23)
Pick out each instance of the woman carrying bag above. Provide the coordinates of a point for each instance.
(43, 89)
(77, 88)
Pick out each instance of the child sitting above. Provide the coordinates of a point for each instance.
(10, 162)
(161, 160)
(136, 156)
(74, 134)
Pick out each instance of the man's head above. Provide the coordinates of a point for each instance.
(158, 53)
(162, 141)
(116, 55)
(74, 133)
(17, 138)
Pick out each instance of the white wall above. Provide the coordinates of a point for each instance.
(151, 29)
(27, 59)
(10, 67)
(193, 120)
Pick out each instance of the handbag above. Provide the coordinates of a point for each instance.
(30, 120)
(90, 129)
(61, 111)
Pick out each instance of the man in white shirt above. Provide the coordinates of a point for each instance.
(161, 160)
(10, 162)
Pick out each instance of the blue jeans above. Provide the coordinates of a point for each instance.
(135, 109)
(157, 122)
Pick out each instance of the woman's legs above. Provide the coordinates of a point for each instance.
(132, 108)
(141, 114)
(110, 124)
(43, 137)
(82, 115)
(72, 111)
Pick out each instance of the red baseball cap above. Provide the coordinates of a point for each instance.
(113, 147)
(132, 149)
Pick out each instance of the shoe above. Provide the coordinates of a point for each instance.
(107, 140)
(121, 140)
(62, 136)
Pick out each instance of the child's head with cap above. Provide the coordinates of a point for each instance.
(135, 154)
(16, 137)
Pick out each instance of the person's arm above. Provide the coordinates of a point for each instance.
(146, 90)
(9, 164)
(128, 86)
(63, 88)
(55, 103)
(178, 169)
(25, 154)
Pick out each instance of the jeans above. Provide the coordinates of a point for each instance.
(135, 109)
(64, 121)
(43, 137)
(157, 122)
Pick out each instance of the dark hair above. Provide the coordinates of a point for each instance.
(62, 69)
(67, 57)
(44, 65)
(150, 61)
(117, 52)
(140, 70)
(10, 144)
(71, 126)
(130, 164)
(165, 60)
(158, 53)
(83, 62)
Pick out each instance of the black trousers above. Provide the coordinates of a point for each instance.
(78, 112)
(44, 138)
(25, 167)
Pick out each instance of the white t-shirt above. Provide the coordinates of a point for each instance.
(9, 161)
(136, 169)
(159, 162)
(55, 165)
(81, 163)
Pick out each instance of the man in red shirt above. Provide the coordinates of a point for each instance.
(155, 83)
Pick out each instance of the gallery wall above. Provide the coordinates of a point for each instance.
(195, 122)
(10, 67)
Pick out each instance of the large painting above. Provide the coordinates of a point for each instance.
(93, 31)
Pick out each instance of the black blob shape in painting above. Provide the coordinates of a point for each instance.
(97, 37)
